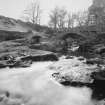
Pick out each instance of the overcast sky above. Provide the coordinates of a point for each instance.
(14, 8)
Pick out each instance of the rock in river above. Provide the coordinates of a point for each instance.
(26, 59)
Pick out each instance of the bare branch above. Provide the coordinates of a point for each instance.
(33, 12)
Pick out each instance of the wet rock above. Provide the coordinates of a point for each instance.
(14, 63)
(73, 72)
(66, 81)
(69, 57)
(98, 85)
(7, 94)
(25, 57)
(21, 63)
(1, 98)
(4, 95)
(81, 58)
(45, 57)
(71, 81)
(97, 61)
(75, 84)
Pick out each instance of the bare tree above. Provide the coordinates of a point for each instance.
(33, 12)
(81, 18)
(57, 18)
(54, 16)
(70, 20)
(62, 18)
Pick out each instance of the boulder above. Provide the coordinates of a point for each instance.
(81, 58)
(98, 85)
(68, 81)
(23, 57)
(21, 63)
(72, 72)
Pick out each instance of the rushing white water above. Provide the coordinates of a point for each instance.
(35, 86)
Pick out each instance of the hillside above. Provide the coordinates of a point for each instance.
(10, 24)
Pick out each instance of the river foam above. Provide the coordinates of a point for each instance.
(34, 86)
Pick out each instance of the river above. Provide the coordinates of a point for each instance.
(35, 86)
